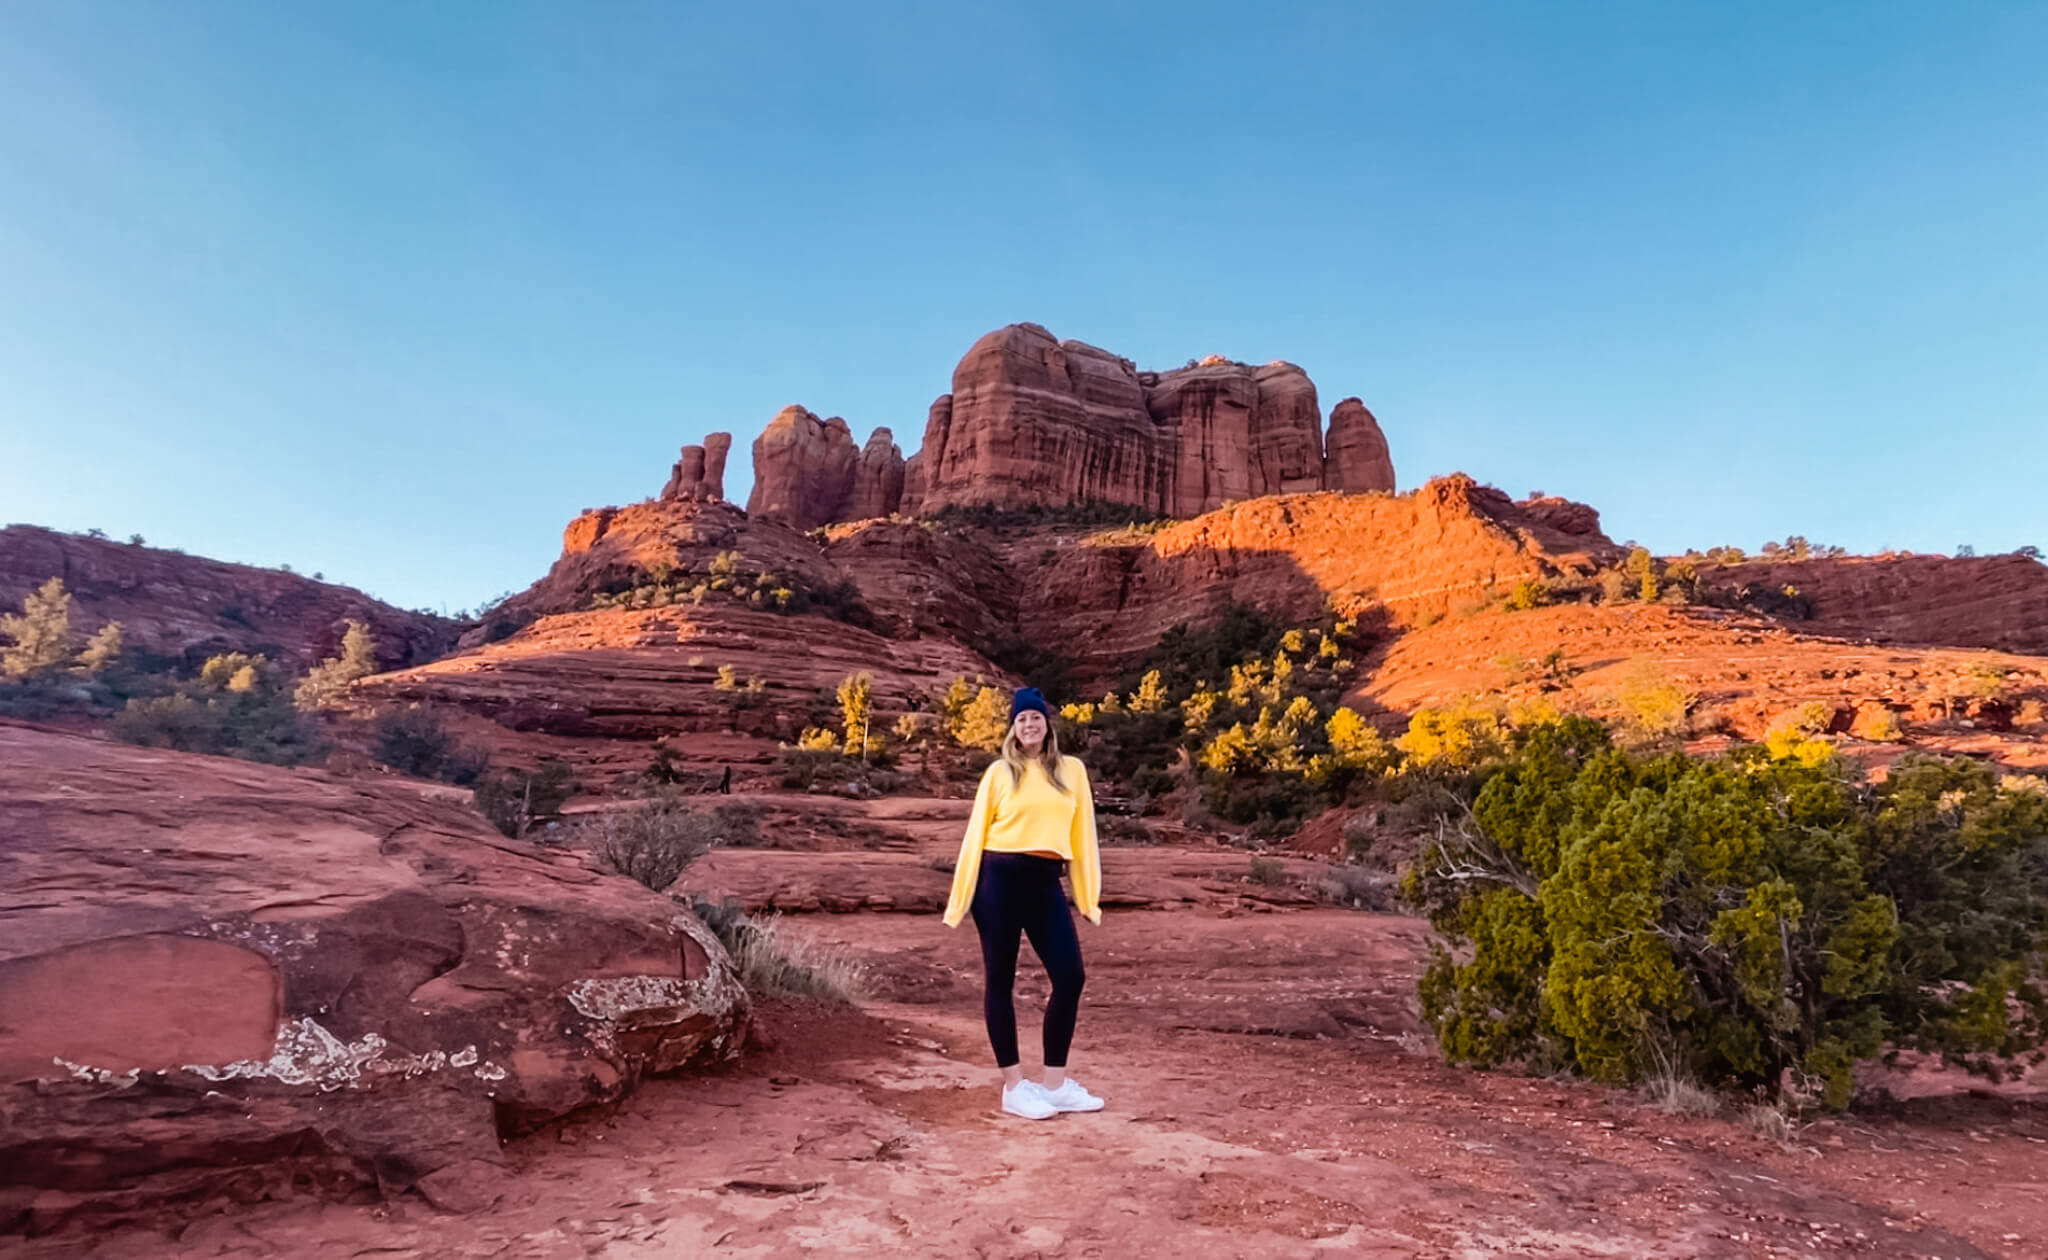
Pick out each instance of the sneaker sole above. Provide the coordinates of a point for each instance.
(1094, 1106)
(1025, 1115)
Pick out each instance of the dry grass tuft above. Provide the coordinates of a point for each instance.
(773, 959)
(1354, 886)
(1770, 1123)
(1677, 1094)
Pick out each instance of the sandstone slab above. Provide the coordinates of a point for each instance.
(223, 978)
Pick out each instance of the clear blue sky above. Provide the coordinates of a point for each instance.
(392, 290)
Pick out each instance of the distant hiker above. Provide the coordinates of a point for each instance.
(1033, 816)
(725, 784)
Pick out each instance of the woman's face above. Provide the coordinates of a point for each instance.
(1030, 728)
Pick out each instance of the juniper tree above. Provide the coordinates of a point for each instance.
(1763, 924)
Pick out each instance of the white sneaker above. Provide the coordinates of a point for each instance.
(1070, 1096)
(1027, 1099)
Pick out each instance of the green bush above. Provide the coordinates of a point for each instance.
(517, 801)
(1746, 921)
(1268, 872)
(661, 585)
(1186, 653)
(237, 707)
(415, 741)
(822, 766)
(1038, 665)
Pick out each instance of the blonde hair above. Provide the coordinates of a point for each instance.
(1048, 758)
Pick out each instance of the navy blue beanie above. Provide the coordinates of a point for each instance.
(1028, 698)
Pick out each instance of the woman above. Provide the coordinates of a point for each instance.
(1032, 815)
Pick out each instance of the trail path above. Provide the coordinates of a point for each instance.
(1268, 1096)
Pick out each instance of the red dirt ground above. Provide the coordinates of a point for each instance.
(1271, 1093)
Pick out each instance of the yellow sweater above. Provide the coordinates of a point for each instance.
(1031, 815)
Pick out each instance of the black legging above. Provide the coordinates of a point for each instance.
(1020, 892)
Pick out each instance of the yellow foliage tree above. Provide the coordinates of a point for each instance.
(101, 650)
(984, 721)
(1462, 736)
(41, 632)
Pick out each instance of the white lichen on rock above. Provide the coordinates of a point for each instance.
(99, 1076)
(613, 996)
(307, 1054)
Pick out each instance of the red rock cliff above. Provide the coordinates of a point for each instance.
(803, 469)
(1033, 420)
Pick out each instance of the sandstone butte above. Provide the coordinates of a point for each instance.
(189, 607)
(1033, 421)
(287, 977)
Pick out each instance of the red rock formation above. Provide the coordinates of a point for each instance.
(1287, 431)
(1562, 515)
(924, 581)
(878, 478)
(597, 688)
(1386, 558)
(938, 425)
(604, 681)
(1033, 421)
(191, 607)
(613, 547)
(803, 470)
(292, 978)
(1357, 461)
(699, 476)
(951, 598)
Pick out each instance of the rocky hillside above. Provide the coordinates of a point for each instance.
(624, 647)
(189, 607)
(623, 640)
(1966, 601)
(1388, 560)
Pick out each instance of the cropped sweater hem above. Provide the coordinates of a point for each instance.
(1033, 814)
